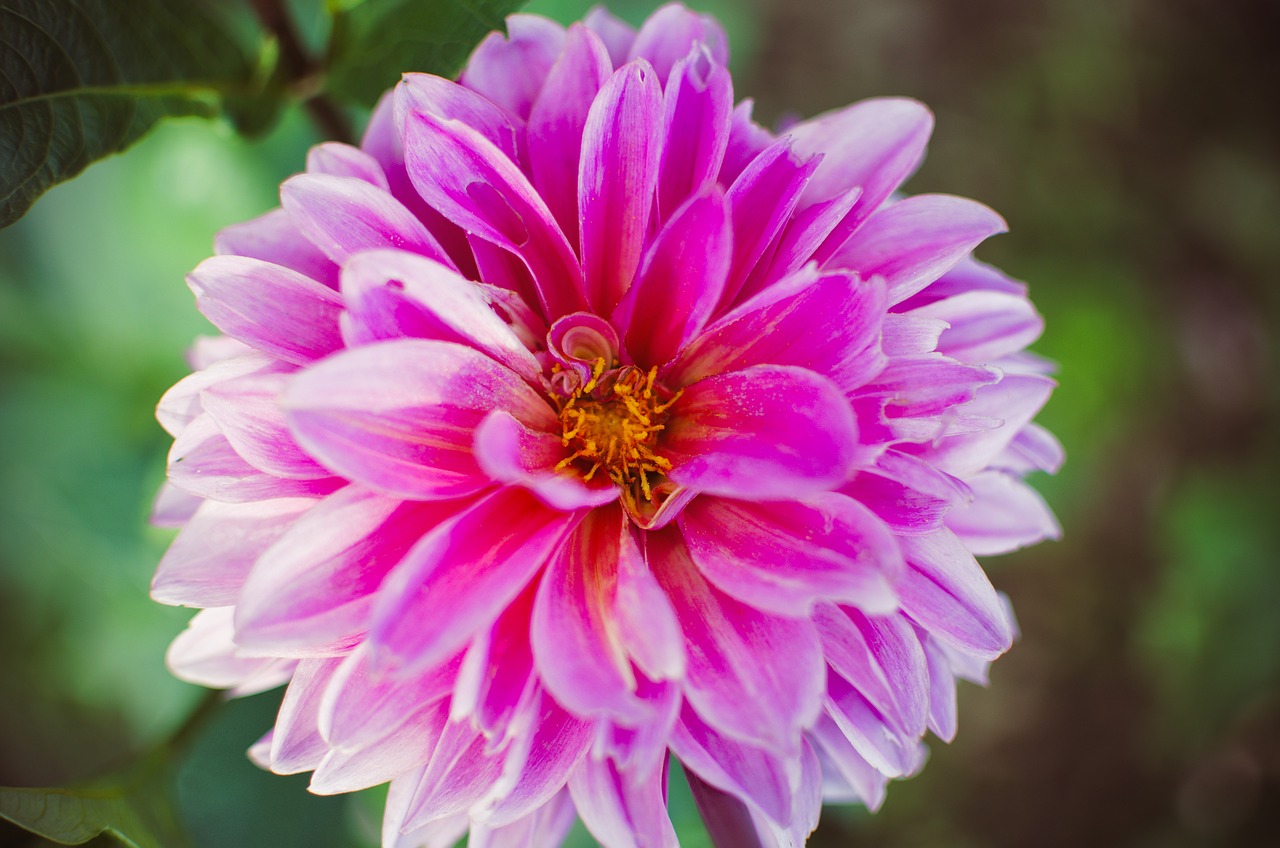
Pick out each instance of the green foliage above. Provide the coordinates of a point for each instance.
(377, 40)
(86, 78)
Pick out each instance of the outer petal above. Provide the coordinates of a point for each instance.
(1014, 401)
(763, 433)
(205, 654)
(511, 71)
(914, 241)
(461, 575)
(983, 325)
(268, 307)
(617, 178)
(274, 238)
(616, 33)
(620, 812)
(680, 281)
(698, 102)
(670, 33)
(545, 827)
(296, 745)
(400, 415)
(450, 101)
(1006, 514)
(786, 556)
(752, 675)
(343, 160)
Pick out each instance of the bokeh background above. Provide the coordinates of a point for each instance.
(1134, 147)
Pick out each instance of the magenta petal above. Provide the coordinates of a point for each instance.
(763, 433)
(984, 326)
(646, 621)
(617, 178)
(343, 160)
(208, 562)
(914, 241)
(804, 234)
(449, 101)
(296, 744)
(946, 592)
(752, 675)
(393, 294)
(874, 144)
(510, 452)
(511, 70)
(749, 773)
(670, 33)
(557, 120)
(829, 324)
(496, 681)
(785, 556)
(247, 411)
(460, 577)
(274, 238)
(473, 184)
(621, 812)
(680, 282)
(579, 651)
(345, 215)
(269, 307)
(907, 493)
(1006, 514)
(747, 140)
(698, 102)
(641, 751)
(400, 415)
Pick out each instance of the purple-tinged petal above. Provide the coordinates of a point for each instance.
(762, 199)
(617, 177)
(344, 770)
(577, 643)
(969, 275)
(727, 818)
(202, 462)
(907, 493)
(946, 592)
(296, 745)
(807, 807)
(343, 160)
(641, 751)
(670, 33)
(851, 768)
(557, 120)
(913, 242)
(1033, 449)
(206, 655)
(393, 294)
(928, 384)
(617, 34)
(548, 825)
(805, 232)
(828, 323)
(762, 433)
(181, 405)
(274, 238)
(942, 691)
(401, 415)
(984, 326)
(747, 140)
(510, 452)
(873, 144)
(208, 562)
(785, 556)
(910, 334)
(511, 70)
(1014, 401)
(619, 811)
(882, 658)
(473, 184)
(268, 307)
(173, 507)
(312, 591)
(345, 215)
(752, 675)
(449, 101)
(458, 775)
(247, 411)
(1006, 514)
(461, 576)
(698, 102)
(680, 281)
(744, 771)
(890, 750)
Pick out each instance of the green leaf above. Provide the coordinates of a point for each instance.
(377, 40)
(136, 808)
(82, 79)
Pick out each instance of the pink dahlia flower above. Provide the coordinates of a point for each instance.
(575, 421)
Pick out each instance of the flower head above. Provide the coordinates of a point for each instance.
(575, 420)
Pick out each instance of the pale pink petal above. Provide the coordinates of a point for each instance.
(616, 33)
(984, 326)
(343, 160)
(882, 658)
(247, 411)
(1006, 514)
(296, 745)
(621, 812)
(274, 238)
(205, 654)
(670, 33)
(511, 71)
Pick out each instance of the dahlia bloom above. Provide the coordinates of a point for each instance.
(575, 421)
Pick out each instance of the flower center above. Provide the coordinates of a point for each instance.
(612, 423)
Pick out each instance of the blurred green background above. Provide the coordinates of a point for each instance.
(1132, 146)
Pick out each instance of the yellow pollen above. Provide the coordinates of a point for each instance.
(613, 428)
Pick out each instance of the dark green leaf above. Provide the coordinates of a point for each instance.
(377, 40)
(136, 808)
(82, 79)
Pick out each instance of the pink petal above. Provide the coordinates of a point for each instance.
(344, 770)
(400, 415)
(621, 812)
(616, 33)
(311, 592)
(752, 675)
(1006, 514)
(984, 326)
(942, 691)
(866, 782)
(449, 101)
(680, 282)
(461, 575)
(205, 654)
(785, 556)
(268, 307)
(274, 238)
(617, 178)
(890, 751)
(496, 682)
(670, 33)
(913, 242)
(343, 160)
(296, 745)
(510, 71)
(458, 775)
(557, 120)
(1033, 449)
(762, 433)
(806, 232)
(1014, 401)
(909, 495)
(209, 561)
(547, 825)
(181, 405)
(698, 101)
